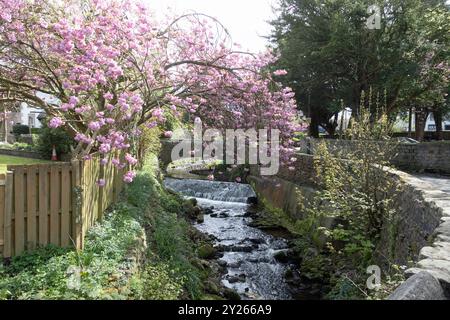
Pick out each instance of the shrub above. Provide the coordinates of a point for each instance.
(19, 129)
(22, 146)
(54, 137)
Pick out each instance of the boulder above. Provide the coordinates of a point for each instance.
(200, 218)
(206, 251)
(439, 251)
(421, 286)
(193, 201)
(231, 294)
(282, 256)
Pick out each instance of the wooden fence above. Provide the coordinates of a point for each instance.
(54, 203)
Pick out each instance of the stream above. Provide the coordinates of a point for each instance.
(252, 270)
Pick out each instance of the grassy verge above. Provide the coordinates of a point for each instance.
(11, 160)
(107, 267)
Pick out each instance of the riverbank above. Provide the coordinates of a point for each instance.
(144, 249)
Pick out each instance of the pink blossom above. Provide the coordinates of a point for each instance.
(211, 177)
(73, 101)
(104, 148)
(280, 73)
(130, 159)
(129, 176)
(89, 53)
(239, 179)
(94, 126)
(115, 162)
(101, 182)
(55, 122)
(168, 134)
(151, 125)
(157, 113)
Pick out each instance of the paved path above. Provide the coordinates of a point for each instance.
(435, 188)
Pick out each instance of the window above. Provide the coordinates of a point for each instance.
(431, 127)
(447, 127)
(31, 121)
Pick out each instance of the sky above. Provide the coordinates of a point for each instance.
(246, 20)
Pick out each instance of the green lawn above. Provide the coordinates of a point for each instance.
(6, 160)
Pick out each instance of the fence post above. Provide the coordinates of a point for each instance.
(101, 190)
(77, 204)
(2, 211)
(7, 221)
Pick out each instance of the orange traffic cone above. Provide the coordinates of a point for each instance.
(54, 157)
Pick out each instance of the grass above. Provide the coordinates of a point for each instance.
(12, 160)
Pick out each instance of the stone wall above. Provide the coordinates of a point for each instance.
(280, 193)
(426, 156)
(420, 220)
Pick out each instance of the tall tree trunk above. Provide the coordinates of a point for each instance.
(421, 119)
(438, 120)
(314, 126)
(410, 122)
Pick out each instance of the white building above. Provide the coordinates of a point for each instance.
(28, 115)
(402, 124)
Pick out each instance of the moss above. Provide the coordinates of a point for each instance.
(206, 251)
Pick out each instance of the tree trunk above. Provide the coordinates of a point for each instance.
(410, 122)
(314, 126)
(421, 119)
(438, 121)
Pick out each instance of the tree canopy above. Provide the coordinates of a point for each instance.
(332, 56)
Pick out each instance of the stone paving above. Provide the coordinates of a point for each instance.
(435, 259)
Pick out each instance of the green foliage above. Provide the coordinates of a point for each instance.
(157, 282)
(36, 130)
(17, 146)
(358, 188)
(22, 146)
(19, 129)
(148, 142)
(331, 55)
(168, 232)
(54, 137)
(44, 273)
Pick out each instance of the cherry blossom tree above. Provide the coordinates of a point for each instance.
(104, 68)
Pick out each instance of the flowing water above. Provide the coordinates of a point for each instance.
(248, 252)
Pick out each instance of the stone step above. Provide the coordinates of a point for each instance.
(443, 238)
(446, 211)
(442, 276)
(441, 267)
(439, 251)
(443, 229)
